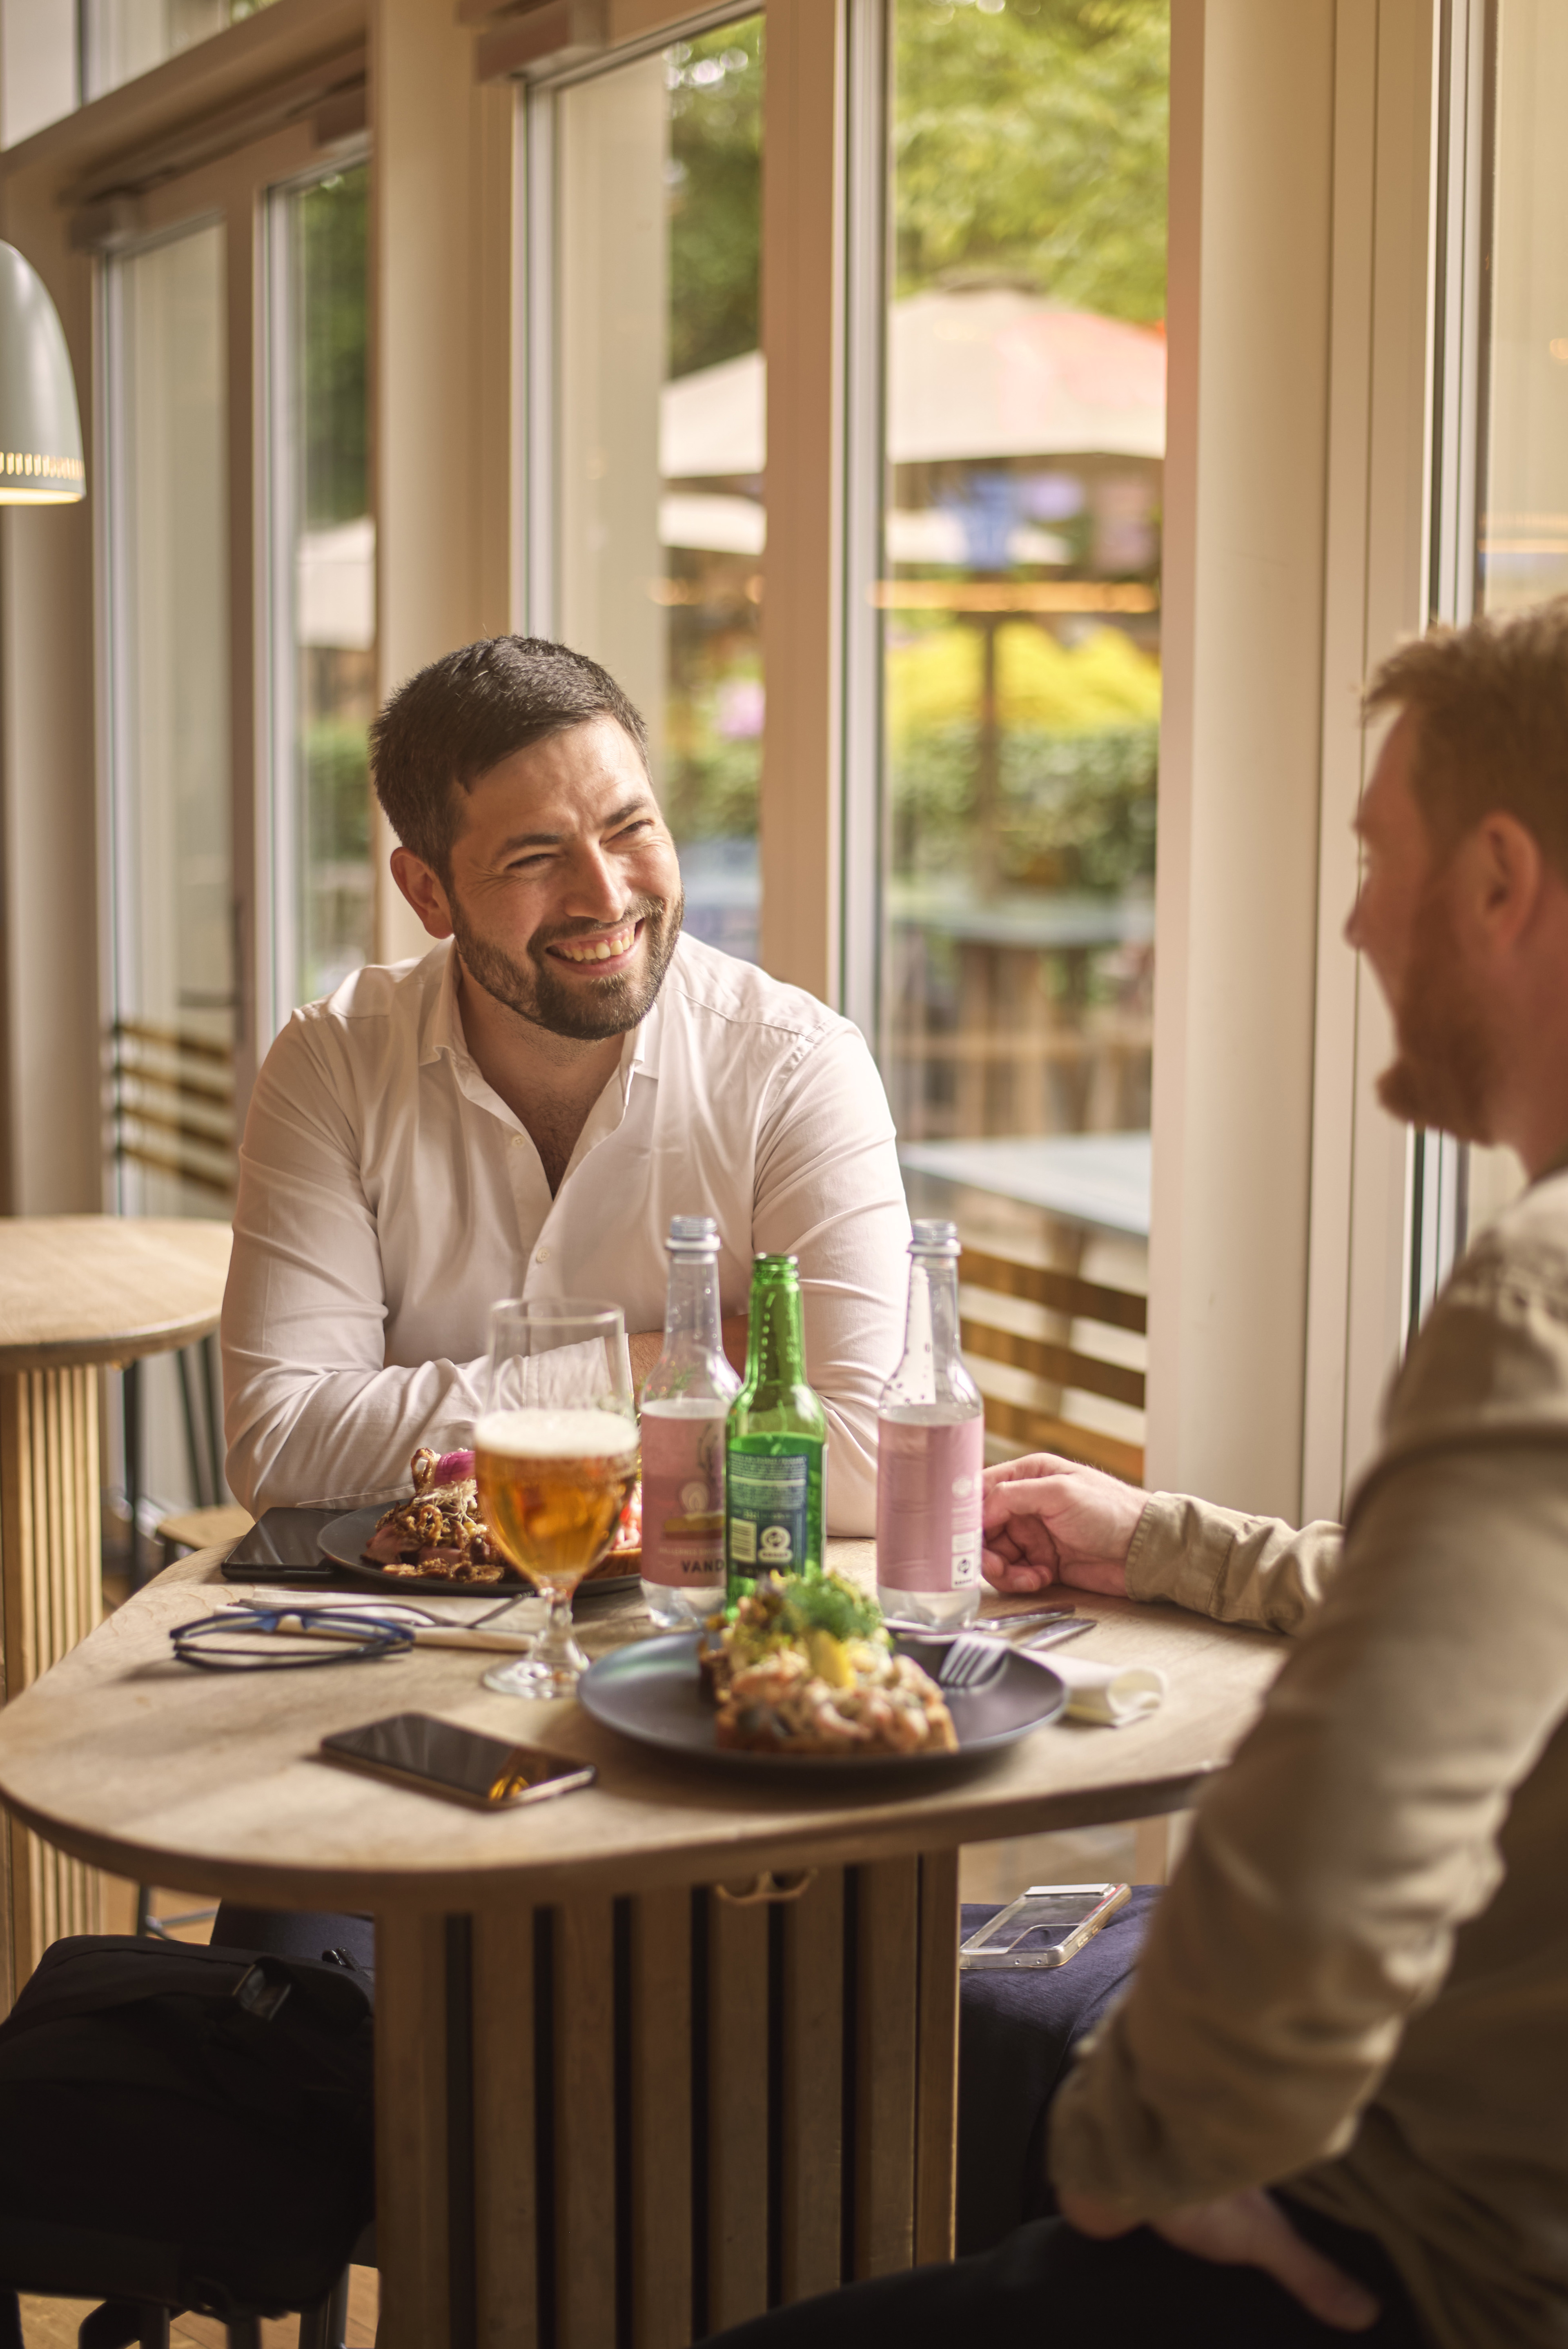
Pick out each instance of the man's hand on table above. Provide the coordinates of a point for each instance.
(1246, 2229)
(1049, 1520)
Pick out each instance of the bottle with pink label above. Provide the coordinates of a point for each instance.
(930, 1449)
(685, 1403)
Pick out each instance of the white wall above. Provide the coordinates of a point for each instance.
(1252, 183)
(1297, 503)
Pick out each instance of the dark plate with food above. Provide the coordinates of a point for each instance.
(434, 1540)
(809, 1680)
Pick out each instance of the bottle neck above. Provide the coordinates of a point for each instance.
(932, 1371)
(692, 1323)
(775, 1343)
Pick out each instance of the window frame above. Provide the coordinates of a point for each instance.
(278, 877)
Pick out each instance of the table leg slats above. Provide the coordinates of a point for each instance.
(50, 1597)
(674, 2112)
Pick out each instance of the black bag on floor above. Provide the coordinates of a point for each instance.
(212, 2106)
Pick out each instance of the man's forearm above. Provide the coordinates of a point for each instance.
(1237, 1568)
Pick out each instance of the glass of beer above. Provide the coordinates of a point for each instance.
(555, 1457)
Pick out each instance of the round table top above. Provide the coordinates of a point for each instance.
(211, 1781)
(106, 1289)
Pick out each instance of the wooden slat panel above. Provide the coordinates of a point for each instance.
(50, 1597)
(584, 2124)
(1059, 1292)
(411, 2133)
(936, 2092)
(886, 2008)
(661, 2106)
(507, 2212)
(737, 2113)
(1059, 1364)
(810, 2190)
(1038, 1432)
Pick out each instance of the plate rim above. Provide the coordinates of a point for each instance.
(728, 1757)
(434, 1586)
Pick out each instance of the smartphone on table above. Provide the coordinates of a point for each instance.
(443, 1758)
(281, 1546)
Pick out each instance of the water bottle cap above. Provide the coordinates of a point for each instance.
(693, 1231)
(930, 1236)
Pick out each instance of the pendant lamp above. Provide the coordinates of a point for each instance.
(40, 431)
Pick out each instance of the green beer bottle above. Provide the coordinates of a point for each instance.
(775, 1456)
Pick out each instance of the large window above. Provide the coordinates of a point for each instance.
(175, 976)
(323, 552)
(1025, 439)
(1523, 538)
(57, 54)
(175, 979)
(657, 392)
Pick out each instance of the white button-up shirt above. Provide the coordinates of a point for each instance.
(388, 1197)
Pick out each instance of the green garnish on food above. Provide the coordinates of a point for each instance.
(828, 1602)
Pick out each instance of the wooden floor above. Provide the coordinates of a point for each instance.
(52, 2323)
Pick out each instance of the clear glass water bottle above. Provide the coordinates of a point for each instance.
(685, 1404)
(930, 1449)
(775, 1470)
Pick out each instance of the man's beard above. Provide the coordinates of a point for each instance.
(587, 1011)
(1440, 1078)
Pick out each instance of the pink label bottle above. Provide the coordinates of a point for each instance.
(685, 1405)
(930, 1450)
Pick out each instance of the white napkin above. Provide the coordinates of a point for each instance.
(1109, 1695)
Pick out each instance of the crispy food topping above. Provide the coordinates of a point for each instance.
(438, 1530)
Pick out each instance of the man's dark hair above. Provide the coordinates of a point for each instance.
(465, 713)
(1491, 702)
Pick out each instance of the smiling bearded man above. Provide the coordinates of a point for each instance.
(520, 1111)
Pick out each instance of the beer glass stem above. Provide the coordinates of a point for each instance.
(556, 1652)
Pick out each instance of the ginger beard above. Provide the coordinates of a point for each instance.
(587, 1009)
(1441, 1076)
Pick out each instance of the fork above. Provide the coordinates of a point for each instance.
(972, 1660)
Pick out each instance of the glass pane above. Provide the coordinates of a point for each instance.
(325, 574)
(662, 522)
(1523, 551)
(1025, 446)
(172, 1045)
(122, 38)
(1522, 539)
(170, 628)
(37, 66)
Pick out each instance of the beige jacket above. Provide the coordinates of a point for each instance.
(1357, 1982)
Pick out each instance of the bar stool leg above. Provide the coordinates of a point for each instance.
(130, 1405)
(213, 1384)
(324, 2326)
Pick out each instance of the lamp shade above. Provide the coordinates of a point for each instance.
(40, 431)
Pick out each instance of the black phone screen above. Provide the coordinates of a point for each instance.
(282, 1547)
(441, 1754)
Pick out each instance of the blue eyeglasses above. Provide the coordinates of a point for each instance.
(256, 1638)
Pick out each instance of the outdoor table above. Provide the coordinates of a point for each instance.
(614, 2100)
(77, 1292)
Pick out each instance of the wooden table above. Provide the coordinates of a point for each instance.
(75, 1292)
(600, 2080)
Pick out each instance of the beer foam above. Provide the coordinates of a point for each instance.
(555, 1434)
